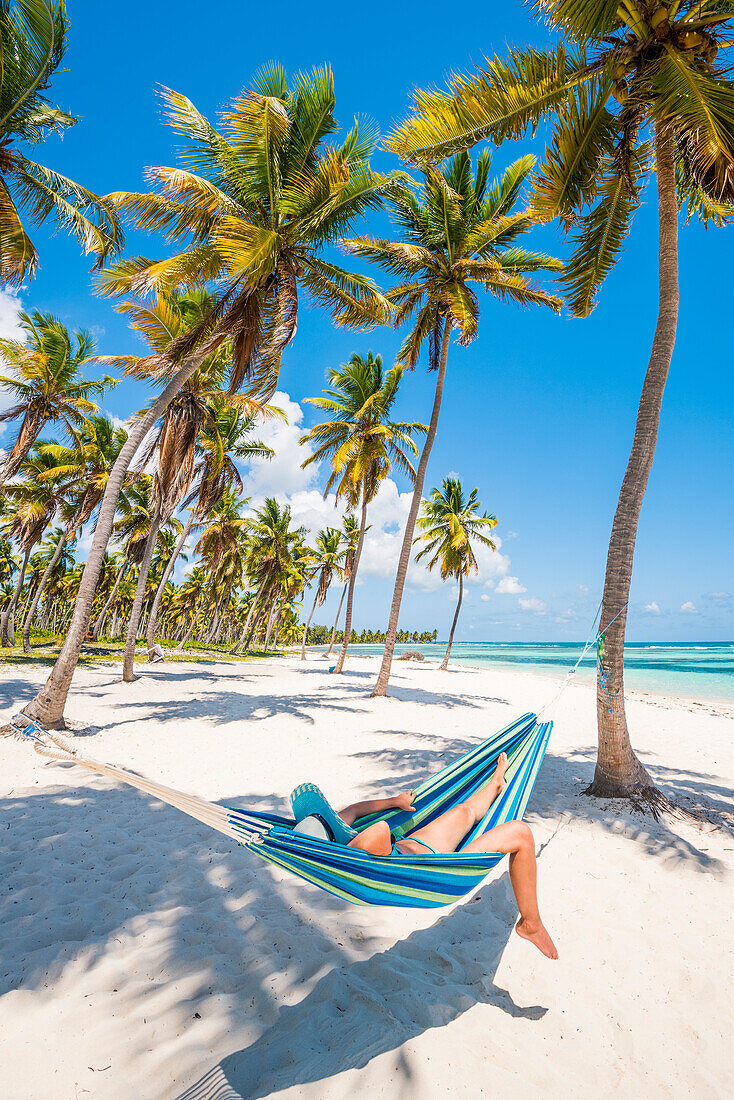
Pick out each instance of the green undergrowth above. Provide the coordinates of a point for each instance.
(45, 649)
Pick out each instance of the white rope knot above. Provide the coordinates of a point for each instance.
(45, 743)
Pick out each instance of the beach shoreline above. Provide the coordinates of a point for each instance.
(157, 959)
(713, 705)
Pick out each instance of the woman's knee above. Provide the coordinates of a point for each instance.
(524, 835)
(465, 813)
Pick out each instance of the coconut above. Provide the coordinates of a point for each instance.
(620, 92)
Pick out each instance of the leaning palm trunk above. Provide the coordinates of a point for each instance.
(404, 559)
(48, 705)
(271, 616)
(7, 624)
(220, 605)
(246, 632)
(618, 771)
(153, 618)
(445, 662)
(128, 660)
(28, 433)
(97, 628)
(350, 596)
(189, 631)
(336, 620)
(42, 584)
(308, 623)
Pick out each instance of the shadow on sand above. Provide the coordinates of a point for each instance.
(224, 924)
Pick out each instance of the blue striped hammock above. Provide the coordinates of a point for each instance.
(417, 881)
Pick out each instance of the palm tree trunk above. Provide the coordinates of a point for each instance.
(250, 613)
(249, 627)
(305, 629)
(350, 596)
(222, 618)
(220, 604)
(153, 618)
(42, 584)
(445, 662)
(128, 660)
(32, 589)
(336, 620)
(618, 771)
(97, 628)
(383, 677)
(269, 627)
(48, 705)
(7, 625)
(189, 631)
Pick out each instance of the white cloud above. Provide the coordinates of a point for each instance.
(719, 597)
(583, 589)
(511, 535)
(283, 478)
(532, 603)
(485, 597)
(688, 608)
(10, 303)
(282, 475)
(652, 608)
(510, 586)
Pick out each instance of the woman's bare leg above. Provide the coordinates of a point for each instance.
(516, 838)
(445, 833)
(375, 839)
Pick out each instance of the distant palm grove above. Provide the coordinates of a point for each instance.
(140, 533)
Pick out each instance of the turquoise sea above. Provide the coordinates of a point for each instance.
(704, 670)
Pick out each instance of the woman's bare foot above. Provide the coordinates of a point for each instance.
(499, 772)
(537, 934)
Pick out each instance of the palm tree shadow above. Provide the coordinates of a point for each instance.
(363, 1009)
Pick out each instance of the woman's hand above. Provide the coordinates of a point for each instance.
(404, 801)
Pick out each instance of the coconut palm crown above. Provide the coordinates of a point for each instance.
(458, 233)
(448, 526)
(360, 438)
(254, 203)
(46, 382)
(33, 37)
(627, 70)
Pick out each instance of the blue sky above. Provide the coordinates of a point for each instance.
(538, 412)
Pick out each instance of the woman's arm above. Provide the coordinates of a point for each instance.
(350, 814)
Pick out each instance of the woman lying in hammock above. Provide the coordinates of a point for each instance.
(445, 834)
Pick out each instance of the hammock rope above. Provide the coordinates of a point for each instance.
(414, 881)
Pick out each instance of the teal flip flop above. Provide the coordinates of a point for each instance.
(308, 801)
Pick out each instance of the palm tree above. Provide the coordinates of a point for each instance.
(223, 437)
(362, 443)
(9, 562)
(46, 382)
(219, 541)
(327, 558)
(86, 470)
(638, 92)
(173, 445)
(33, 501)
(458, 232)
(32, 45)
(271, 196)
(272, 548)
(136, 512)
(449, 525)
(350, 535)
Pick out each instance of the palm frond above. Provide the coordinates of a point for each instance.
(44, 193)
(584, 135)
(505, 99)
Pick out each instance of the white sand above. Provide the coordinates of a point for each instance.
(144, 956)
